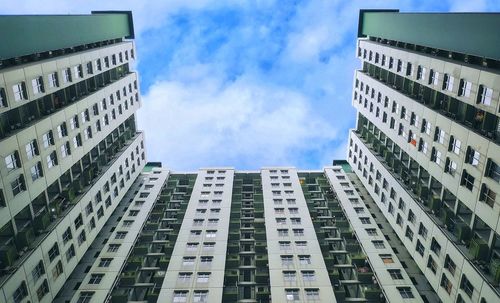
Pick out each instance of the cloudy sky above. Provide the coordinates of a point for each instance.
(245, 83)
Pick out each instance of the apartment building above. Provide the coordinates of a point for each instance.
(68, 140)
(223, 235)
(426, 144)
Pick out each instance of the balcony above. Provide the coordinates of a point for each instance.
(24, 116)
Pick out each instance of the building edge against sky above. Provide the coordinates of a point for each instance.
(84, 219)
(426, 142)
(68, 141)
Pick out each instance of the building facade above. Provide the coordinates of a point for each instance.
(223, 235)
(411, 215)
(426, 144)
(68, 140)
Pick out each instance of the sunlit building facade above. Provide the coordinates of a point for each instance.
(223, 235)
(68, 140)
(426, 144)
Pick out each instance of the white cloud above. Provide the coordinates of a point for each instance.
(147, 14)
(205, 123)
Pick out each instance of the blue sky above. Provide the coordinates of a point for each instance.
(245, 83)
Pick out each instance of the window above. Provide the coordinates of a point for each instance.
(121, 235)
(435, 247)
(52, 159)
(448, 82)
(180, 296)
(405, 292)
(3, 98)
(36, 171)
(105, 262)
(85, 297)
(305, 259)
(433, 77)
(188, 261)
(57, 270)
(184, 277)
(301, 244)
(283, 232)
(65, 150)
(31, 149)
(37, 85)
(308, 275)
(78, 71)
(206, 260)
(203, 277)
(420, 248)
(295, 221)
(18, 185)
(395, 274)
(492, 170)
(484, 95)
(450, 166)
(53, 80)
(98, 64)
(81, 237)
(450, 265)
(472, 156)
(73, 122)
(432, 264)
(12, 161)
(422, 230)
(77, 141)
(371, 231)
(386, 258)
(359, 210)
(95, 278)
(200, 296)
(211, 234)
(421, 72)
(42, 290)
(439, 135)
(19, 90)
(20, 293)
(298, 232)
(487, 195)
(292, 294)
(378, 244)
(409, 233)
(284, 245)
(411, 216)
(113, 247)
(399, 66)
(446, 284)
(89, 68)
(466, 286)
(289, 276)
(48, 139)
(281, 221)
(467, 180)
(38, 271)
(365, 220)
(85, 116)
(464, 88)
(66, 75)
(286, 260)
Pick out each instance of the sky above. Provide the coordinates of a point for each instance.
(245, 84)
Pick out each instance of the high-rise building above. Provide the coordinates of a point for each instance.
(410, 216)
(426, 145)
(223, 235)
(68, 143)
